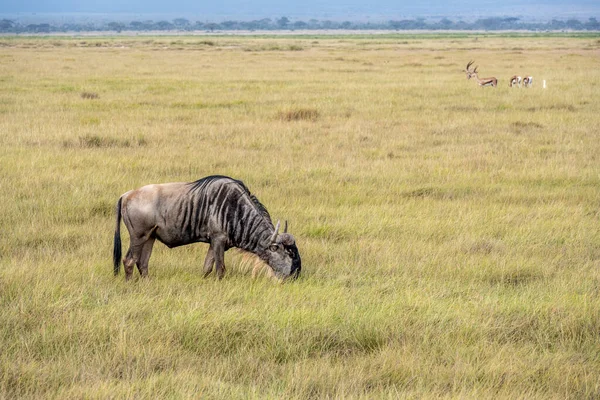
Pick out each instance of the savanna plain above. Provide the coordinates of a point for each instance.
(448, 233)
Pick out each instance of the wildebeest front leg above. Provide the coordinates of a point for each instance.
(218, 246)
(209, 261)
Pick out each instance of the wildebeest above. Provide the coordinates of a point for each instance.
(216, 209)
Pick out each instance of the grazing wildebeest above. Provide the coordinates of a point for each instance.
(217, 209)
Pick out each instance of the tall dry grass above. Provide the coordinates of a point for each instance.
(449, 234)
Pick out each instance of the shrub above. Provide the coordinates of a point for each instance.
(89, 95)
(299, 114)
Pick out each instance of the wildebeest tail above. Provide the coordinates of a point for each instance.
(117, 241)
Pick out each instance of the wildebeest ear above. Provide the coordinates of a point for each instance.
(287, 239)
(285, 227)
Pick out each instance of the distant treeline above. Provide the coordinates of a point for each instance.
(284, 23)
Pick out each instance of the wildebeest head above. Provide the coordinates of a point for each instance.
(283, 256)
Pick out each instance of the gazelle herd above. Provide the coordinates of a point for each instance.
(515, 81)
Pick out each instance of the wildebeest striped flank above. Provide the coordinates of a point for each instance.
(217, 209)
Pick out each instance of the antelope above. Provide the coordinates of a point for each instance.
(515, 81)
(493, 82)
(528, 81)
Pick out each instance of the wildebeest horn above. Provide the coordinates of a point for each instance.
(285, 227)
(274, 237)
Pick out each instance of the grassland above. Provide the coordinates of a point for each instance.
(449, 234)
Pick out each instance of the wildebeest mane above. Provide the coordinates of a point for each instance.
(260, 207)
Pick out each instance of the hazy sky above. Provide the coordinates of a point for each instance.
(338, 9)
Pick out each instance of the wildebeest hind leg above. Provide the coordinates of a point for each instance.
(209, 261)
(142, 263)
(130, 260)
(132, 257)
